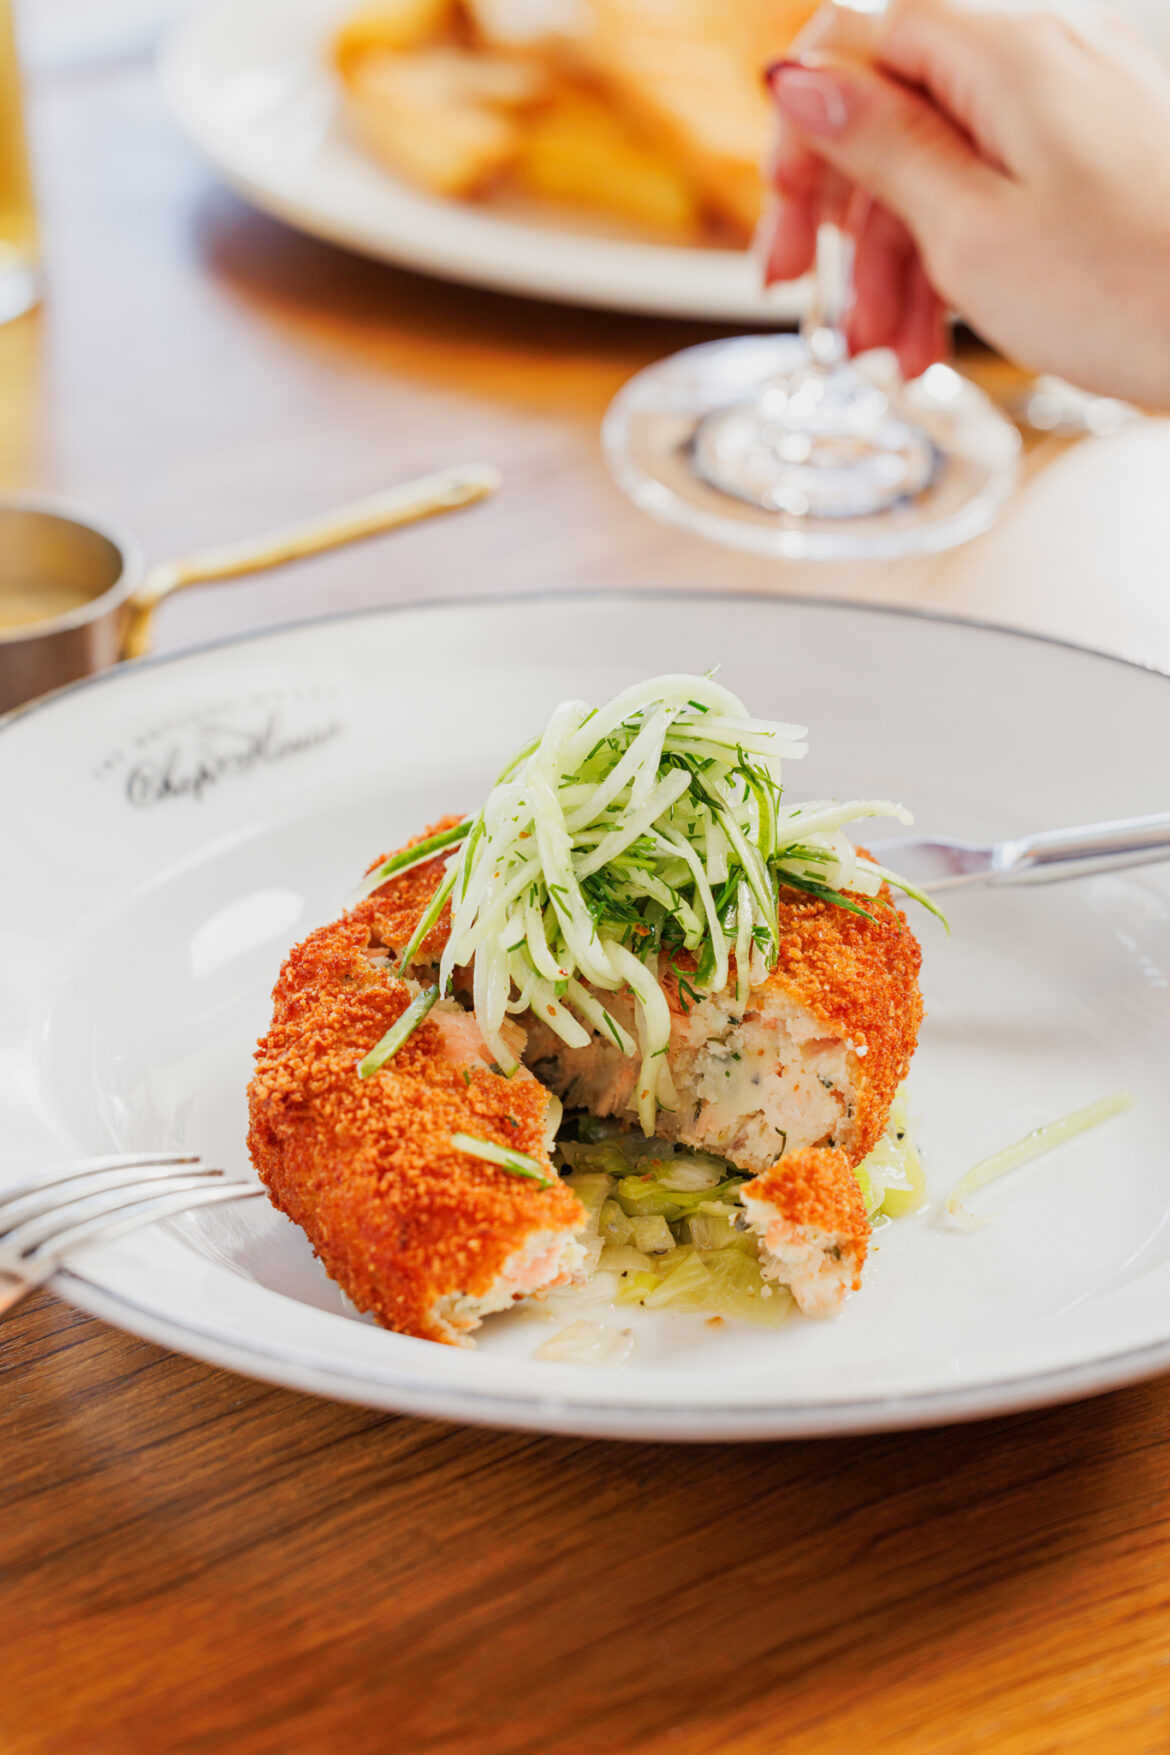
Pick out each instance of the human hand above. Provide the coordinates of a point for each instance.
(1014, 166)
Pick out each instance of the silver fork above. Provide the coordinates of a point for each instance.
(65, 1208)
(939, 863)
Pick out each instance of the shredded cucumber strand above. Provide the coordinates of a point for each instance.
(669, 691)
(600, 1017)
(716, 849)
(654, 1026)
(400, 863)
(550, 1011)
(1033, 1145)
(486, 989)
(636, 823)
(399, 1031)
(560, 881)
(906, 887)
(820, 819)
(718, 938)
(618, 780)
(429, 916)
(753, 871)
(655, 733)
(543, 960)
(460, 947)
(515, 1163)
(743, 944)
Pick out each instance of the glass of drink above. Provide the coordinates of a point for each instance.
(18, 240)
(786, 445)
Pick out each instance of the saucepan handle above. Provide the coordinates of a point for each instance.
(385, 511)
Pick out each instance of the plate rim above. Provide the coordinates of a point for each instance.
(575, 594)
(295, 1366)
(597, 1418)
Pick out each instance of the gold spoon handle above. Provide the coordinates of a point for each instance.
(385, 511)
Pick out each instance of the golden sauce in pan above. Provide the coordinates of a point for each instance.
(23, 605)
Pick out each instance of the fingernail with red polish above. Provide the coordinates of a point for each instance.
(811, 97)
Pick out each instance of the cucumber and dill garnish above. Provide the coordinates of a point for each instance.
(624, 838)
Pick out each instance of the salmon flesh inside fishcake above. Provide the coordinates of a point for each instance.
(794, 1085)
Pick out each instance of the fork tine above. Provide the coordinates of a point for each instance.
(50, 1256)
(24, 1238)
(58, 1173)
(22, 1208)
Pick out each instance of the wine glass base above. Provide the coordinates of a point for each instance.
(683, 440)
(813, 475)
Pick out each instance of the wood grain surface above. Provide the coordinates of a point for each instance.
(193, 1562)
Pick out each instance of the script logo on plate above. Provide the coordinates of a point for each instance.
(196, 752)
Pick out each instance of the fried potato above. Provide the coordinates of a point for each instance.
(533, 24)
(576, 150)
(652, 110)
(391, 24)
(443, 116)
(689, 72)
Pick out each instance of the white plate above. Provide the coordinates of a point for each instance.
(172, 829)
(249, 81)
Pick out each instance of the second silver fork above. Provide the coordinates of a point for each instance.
(48, 1216)
(937, 863)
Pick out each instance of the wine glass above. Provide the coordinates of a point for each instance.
(786, 445)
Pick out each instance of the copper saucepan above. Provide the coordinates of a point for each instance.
(75, 597)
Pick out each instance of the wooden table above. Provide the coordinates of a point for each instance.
(193, 1562)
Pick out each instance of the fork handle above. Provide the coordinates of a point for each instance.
(1068, 853)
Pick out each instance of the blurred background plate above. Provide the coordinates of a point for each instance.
(250, 81)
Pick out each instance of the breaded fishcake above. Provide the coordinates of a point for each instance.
(793, 1086)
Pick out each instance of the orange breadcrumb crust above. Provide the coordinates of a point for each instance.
(399, 1217)
(816, 1187)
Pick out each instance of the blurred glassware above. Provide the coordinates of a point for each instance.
(1053, 405)
(18, 230)
(790, 447)
(59, 35)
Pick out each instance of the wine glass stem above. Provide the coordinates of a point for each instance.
(823, 326)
